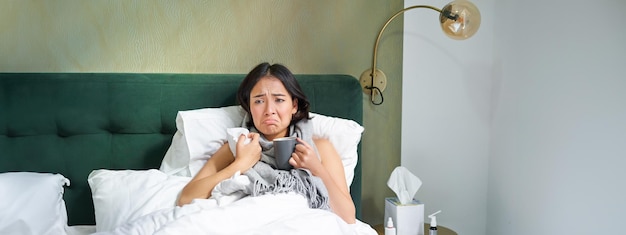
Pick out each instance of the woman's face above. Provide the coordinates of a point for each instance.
(271, 107)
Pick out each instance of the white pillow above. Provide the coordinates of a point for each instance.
(202, 131)
(200, 134)
(121, 196)
(32, 203)
(344, 134)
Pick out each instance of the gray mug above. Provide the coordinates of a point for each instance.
(283, 148)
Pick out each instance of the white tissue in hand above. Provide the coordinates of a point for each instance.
(233, 137)
(404, 183)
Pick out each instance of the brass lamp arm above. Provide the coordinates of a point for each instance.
(459, 20)
(380, 34)
(376, 76)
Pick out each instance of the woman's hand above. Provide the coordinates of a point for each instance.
(250, 153)
(304, 156)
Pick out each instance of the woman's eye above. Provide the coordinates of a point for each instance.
(280, 100)
(258, 101)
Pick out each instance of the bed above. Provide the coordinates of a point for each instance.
(89, 152)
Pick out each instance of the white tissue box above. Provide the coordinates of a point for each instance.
(407, 218)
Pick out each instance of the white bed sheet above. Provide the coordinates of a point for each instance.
(269, 214)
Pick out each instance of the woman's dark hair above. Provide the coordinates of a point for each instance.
(285, 76)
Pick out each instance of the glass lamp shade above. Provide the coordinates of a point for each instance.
(459, 19)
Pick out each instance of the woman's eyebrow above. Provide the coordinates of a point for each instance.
(259, 95)
(274, 94)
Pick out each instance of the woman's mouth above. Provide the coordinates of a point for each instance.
(270, 122)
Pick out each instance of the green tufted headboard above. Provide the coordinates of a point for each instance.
(73, 123)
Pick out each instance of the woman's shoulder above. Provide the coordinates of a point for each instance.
(322, 141)
(323, 144)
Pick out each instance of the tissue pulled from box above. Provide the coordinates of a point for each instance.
(404, 183)
(233, 137)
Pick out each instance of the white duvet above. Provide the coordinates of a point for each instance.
(286, 213)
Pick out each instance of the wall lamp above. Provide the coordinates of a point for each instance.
(459, 20)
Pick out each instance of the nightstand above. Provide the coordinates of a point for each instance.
(441, 230)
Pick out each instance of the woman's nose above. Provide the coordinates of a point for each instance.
(270, 109)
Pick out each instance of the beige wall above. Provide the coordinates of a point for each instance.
(324, 36)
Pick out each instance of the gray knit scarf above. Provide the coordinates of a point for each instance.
(267, 179)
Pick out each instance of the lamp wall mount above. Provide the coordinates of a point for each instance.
(374, 85)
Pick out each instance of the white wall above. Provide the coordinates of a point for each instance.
(559, 128)
(537, 99)
(446, 95)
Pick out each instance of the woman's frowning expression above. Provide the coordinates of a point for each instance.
(271, 107)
